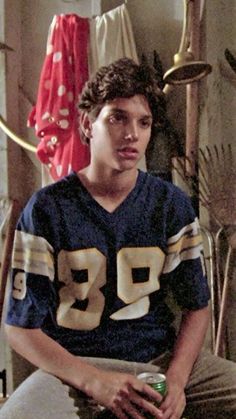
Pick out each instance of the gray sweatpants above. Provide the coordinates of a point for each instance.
(211, 392)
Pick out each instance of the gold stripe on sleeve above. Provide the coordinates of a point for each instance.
(185, 245)
(33, 254)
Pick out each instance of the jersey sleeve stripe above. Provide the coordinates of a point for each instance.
(33, 254)
(185, 245)
(192, 229)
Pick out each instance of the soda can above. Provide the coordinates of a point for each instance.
(156, 380)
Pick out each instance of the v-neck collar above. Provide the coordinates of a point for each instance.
(91, 202)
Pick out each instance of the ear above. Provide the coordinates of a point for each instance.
(85, 125)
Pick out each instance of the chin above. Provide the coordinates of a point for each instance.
(128, 165)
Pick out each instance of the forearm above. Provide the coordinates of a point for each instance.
(45, 353)
(119, 392)
(188, 344)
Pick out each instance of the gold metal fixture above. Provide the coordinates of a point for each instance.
(186, 69)
(23, 143)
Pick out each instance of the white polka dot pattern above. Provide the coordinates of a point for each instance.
(64, 112)
(57, 56)
(61, 90)
(64, 73)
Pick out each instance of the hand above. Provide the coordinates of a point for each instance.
(123, 394)
(175, 401)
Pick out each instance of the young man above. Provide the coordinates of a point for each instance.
(94, 257)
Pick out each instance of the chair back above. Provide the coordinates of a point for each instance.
(9, 213)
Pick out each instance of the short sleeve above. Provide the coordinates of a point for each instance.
(32, 276)
(183, 264)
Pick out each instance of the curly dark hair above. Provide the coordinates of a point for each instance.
(123, 79)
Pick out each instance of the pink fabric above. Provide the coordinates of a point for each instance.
(55, 116)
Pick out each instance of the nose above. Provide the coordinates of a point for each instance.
(131, 132)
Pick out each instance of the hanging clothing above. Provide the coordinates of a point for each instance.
(55, 116)
(111, 38)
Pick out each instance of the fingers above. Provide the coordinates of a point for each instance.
(127, 397)
(128, 411)
(132, 411)
(173, 407)
(146, 390)
(135, 406)
(144, 405)
(120, 415)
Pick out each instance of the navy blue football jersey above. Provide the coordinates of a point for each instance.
(95, 281)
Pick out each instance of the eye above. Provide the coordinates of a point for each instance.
(145, 122)
(117, 118)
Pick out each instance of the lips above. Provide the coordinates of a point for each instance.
(128, 152)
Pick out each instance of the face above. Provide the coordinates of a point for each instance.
(120, 133)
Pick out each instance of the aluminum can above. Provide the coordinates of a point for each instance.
(156, 380)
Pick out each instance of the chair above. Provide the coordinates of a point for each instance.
(8, 222)
(209, 265)
(9, 212)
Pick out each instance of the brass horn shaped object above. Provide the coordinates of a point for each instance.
(186, 69)
(21, 141)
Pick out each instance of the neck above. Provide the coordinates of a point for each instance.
(108, 182)
(108, 190)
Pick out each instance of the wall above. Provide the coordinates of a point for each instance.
(217, 124)
(10, 156)
(9, 62)
(3, 140)
(217, 119)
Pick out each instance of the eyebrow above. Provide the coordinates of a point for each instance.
(123, 111)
